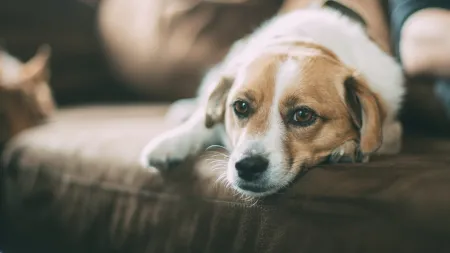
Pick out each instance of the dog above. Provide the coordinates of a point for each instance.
(307, 87)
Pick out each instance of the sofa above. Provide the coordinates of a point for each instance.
(73, 184)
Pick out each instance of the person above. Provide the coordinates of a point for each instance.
(421, 37)
(162, 48)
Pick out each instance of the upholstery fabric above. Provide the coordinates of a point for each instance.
(74, 185)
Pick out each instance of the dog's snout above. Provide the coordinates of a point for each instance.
(250, 168)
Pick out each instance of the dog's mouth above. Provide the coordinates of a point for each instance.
(253, 188)
(261, 189)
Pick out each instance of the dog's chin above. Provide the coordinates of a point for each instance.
(252, 190)
(269, 184)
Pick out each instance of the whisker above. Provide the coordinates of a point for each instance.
(222, 181)
(221, 166)
(222, 151)
(218, 168)
(218, 164)
(222, 178)
(215, 163)
(216, 159)
(215, 154)
(216, 146)
(255, 202)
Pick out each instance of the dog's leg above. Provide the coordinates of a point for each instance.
(188, 139)
(181, 110)
(392, 143)
(347, 153)
(392, 138)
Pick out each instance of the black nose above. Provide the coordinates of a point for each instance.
(250, 168)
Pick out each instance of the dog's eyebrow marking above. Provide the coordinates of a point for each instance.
(291, 102)
(249, 95)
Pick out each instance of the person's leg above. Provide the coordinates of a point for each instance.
(425, 49)
(420, 32)
(424, 44)
(163, 47)
(442, 91)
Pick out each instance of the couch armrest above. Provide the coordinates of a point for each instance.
(75, 185)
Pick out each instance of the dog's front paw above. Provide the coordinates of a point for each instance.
(347, 153)
(165, 152)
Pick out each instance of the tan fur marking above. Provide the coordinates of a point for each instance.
(319, 86)
(373, 115)
(215, 109)
(261, 83)
(318, 89)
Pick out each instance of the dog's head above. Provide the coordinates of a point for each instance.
(284, 113)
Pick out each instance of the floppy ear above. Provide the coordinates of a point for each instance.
(366, 111)
(215, 107)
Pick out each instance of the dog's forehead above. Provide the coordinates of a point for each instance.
(318, 77)
(308, 74)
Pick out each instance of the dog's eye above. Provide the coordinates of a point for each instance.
(304, 116)
(241, 108)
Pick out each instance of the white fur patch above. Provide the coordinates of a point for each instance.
(189, 138)
(288, 72)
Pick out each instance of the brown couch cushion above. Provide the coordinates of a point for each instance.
(74, 185)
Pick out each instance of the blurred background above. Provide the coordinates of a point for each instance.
(79, 70)
(108, 50)
(74, 185)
